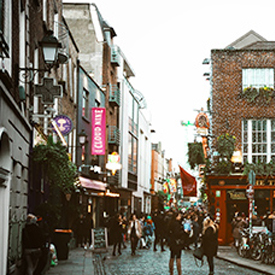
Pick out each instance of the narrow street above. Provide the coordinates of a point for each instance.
(148, 262)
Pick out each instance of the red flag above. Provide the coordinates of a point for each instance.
(189, 183)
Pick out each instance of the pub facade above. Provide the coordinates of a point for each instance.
(241, 106)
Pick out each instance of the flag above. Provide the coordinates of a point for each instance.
(189, 183)
(166, 188)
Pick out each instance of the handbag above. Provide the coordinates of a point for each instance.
(198, 256)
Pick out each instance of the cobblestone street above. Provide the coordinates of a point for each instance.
(148, 262)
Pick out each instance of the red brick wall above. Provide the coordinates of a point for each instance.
(228, 107)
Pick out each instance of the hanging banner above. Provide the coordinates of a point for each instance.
(98, 131)
(189, 183)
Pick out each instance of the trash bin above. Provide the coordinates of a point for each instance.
(61, 241)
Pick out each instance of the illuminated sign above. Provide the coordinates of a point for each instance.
(113, 162)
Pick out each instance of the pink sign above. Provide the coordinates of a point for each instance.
(98, 131)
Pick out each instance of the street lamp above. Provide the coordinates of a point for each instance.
(50, 46)
(82, 138)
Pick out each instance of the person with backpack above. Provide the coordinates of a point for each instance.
(148, 231)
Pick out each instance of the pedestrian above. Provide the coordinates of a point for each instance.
(81, 231)
(176, 235)
(32, 242)
(158, 220)
(238, 224)
(210, 241)
(124, 231)
(134, 233)
(148, 232)
(142, 242)
(196, 230)
(44, 261)
(116, 232)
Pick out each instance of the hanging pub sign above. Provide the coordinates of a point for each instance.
(202, 124)
(113, 163)
(64, 124)
(98, 131)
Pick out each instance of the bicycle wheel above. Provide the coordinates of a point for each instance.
(242, 250)
(256, 252)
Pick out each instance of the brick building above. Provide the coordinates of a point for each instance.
(241, 104)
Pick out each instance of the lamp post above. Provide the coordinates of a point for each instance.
(50, 46)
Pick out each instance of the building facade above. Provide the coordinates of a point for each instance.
(241, 76)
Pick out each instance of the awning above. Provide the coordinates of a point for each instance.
(92, 184)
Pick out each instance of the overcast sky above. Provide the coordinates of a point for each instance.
(166, 41)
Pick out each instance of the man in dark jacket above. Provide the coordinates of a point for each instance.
(32, 240)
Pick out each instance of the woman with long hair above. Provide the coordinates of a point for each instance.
(210, 241)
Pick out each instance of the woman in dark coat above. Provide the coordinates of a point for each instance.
(116, 231)
(176, 234)
(210, 242)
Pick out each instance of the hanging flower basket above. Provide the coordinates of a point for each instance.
(267, 93)
(250, 93)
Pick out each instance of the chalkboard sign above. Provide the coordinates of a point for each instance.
(99, 238)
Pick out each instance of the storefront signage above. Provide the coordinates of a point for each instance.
(99, 238)
(64, 124)
(98, 131)
(236, 195)
(265, 183)
(113, 163)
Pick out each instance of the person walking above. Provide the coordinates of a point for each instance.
(158, 221)
(116, 231)
(210, 241)
(176, 236)
(134, 233)
(32, 241)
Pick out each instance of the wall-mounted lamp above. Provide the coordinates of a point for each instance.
(82, 138)
(50, 46)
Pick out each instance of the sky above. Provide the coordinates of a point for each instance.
(165, 43)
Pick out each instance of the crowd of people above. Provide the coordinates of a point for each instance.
(173, 229)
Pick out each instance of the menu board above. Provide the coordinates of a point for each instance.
(99, 238)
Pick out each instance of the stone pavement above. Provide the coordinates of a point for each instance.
(84, 262)
(230, 254)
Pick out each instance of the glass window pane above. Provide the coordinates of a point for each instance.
(259, 125)
(272, 148)
(264, 148)
(245, 137)
(254, 148)
(245, 148)
(264, 137)
(253, 125)
(254, 137)
(272, 137)
(264, 125)
(259, 138)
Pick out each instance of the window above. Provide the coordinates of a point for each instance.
(258, 78)
(85, 103)
(132, 154)
(258, 138)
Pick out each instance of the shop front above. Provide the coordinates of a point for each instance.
(228, 195)
(92, 200)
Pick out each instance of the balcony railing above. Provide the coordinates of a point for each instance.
(114, 98)
(114, 135)
(115, 56)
